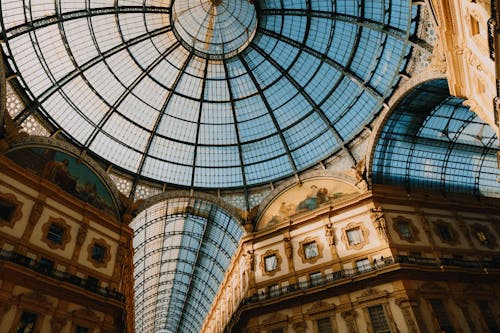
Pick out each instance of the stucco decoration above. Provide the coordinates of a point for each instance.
(310, 195)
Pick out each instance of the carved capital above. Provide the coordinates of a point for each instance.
(57, 324)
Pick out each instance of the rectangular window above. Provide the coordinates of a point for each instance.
(311, 250)
(55, 233)
(404, 229)
(354, 236)
(316, 278)
(6, 210)
(81, 329)
(277, 330)
(274, 290)
(363, 265)
(324, 325)
(379, 320)
(271, 263)
(27, 322)
(98, 253)
(441, 315)
(444, 232)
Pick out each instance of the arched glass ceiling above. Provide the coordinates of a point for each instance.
(169, 91)
(182, 247)
(433, 141)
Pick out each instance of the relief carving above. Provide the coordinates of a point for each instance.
(378, 219)
(330, 234)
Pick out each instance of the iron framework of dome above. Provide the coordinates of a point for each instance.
(208, 93)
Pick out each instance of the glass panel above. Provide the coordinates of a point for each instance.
(324, 325)
(271, 263)
(404, 229)
(27, 322)
(378, 319)
(354, 236)
(311, 250)
(182, 248)
(135, 82)
(363, 265)
(441, 315)
(55, 233)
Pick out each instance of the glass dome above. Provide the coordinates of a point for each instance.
(208, 93)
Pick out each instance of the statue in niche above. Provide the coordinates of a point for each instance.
(330, 234)
(377, 216)
(250, 261)
(288, 248)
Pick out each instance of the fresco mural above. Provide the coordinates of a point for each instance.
(306, 197)
(68, 173)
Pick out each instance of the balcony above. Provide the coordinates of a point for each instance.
(343, 274)
(41, 268)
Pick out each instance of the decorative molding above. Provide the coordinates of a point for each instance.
(454, 235)
(165, 196)
(275, 318)
(330, 234)
(483, 235)
(364, 234)
(398, 221)
(65, 238)
(82, 233)
(302, 253)
(309, 175)
(379, 223)
(262, 264)
(17, 213)
(320, 307)
(107, 252)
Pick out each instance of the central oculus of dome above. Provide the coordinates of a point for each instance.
(214, 29)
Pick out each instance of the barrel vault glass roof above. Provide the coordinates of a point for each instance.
(208, 93)
(182, 249)
(433, 141)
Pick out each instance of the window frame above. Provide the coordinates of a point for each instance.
(302, 250)
(413, 231)
(106, 256)
(263, 262)
(385, 317)
(10, 200)
(65, 236)
(451, 238)
(364, 235)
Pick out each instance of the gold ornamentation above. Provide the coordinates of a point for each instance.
(269, 254)
(363, 234)
(484, 236)
(107, 252)
(406, 229)
(446, 232)
(65, 236)
(11, 201)
(311, 259)
(378, 219)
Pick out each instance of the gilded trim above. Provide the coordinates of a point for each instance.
(302, 254)
(65, 238)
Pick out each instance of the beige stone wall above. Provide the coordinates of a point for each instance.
(58, 303)
(463, 52)
(404, 271)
